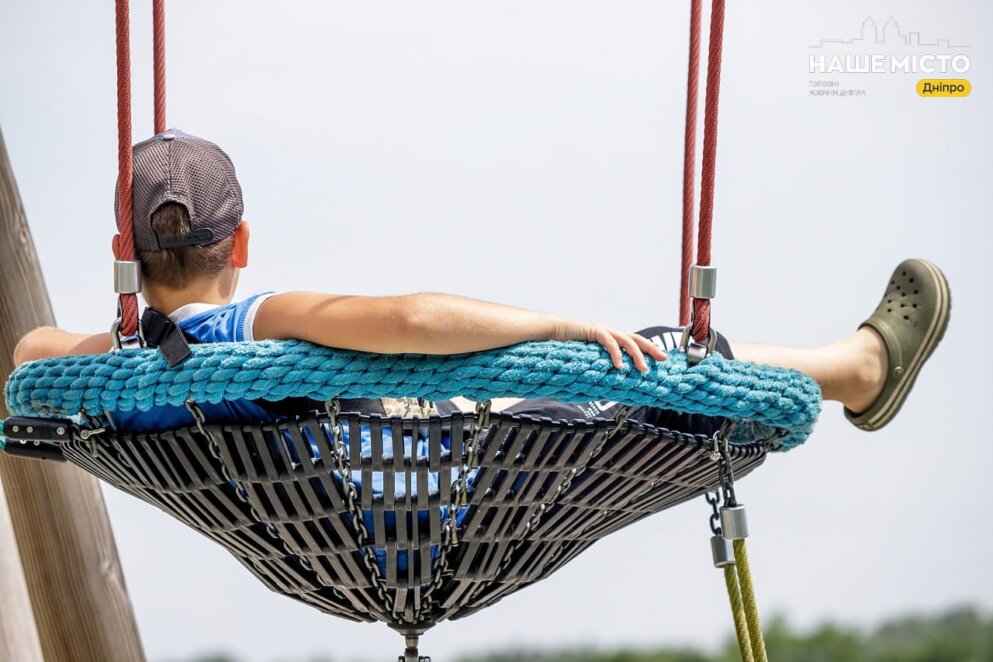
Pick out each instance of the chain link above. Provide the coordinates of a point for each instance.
(726, 470)
(622, 415)
(459, 500)
(720, 453)
(714, 499)
(365, 540)
(242, 492)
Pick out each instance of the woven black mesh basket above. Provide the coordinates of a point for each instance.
(408, 521)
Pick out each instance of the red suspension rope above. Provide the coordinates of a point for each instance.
(158, 41)
(701, 307)
(689, 160)
(128, 302)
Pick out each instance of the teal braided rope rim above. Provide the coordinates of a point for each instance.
(765, 397)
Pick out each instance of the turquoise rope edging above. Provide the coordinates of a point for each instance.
(768, 398)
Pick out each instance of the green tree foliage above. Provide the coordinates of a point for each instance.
(960, 635)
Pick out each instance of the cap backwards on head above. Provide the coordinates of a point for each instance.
(176, 167)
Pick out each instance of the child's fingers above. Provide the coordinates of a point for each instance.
(609, 343)
(650, 348)
(631, 347)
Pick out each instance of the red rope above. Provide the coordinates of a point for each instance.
(128, 302)
(689, 160)
(701, 307)
(158, 41)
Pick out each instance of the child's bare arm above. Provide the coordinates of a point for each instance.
(430, 324)
(47, 342)
(416, 323)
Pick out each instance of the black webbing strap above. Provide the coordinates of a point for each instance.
(162, 332)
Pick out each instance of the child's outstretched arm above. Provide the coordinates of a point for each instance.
(47, 342)
(430, 324)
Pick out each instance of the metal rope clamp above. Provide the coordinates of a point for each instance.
(127, 280)
(702, 285)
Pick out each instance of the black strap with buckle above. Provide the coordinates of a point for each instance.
(162, 332)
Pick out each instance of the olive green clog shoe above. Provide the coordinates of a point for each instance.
(911, 319)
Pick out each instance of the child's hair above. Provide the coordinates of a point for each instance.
(176, 268)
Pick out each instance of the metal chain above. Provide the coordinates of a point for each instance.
(622, 416)
(242, 492)
(564, 486)
(714, 499)
(459, 500)
(365, 540)
(723, 435)
(719, 452)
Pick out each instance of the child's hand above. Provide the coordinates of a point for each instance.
(616, 343)
(635, 345)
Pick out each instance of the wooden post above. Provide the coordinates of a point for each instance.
(74, 579)
(18, 634)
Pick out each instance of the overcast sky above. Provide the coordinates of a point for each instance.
(530, 152)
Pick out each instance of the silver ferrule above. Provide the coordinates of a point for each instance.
(722, 551)
(734, 524)
(127, 276)
(703, 282)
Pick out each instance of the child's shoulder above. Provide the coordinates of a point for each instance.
(233, 322)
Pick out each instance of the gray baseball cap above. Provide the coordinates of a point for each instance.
(173, 166)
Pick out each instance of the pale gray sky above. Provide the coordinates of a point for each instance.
(530, 152)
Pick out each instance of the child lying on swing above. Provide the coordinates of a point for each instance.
(192, 244)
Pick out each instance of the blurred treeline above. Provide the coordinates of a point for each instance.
(961, 635)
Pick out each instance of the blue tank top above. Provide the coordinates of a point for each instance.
(206, 323)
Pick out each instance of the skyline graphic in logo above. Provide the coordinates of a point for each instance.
(888, 49)
(890, 33)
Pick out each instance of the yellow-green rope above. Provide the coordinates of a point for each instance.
(748, 599)
(738, 611)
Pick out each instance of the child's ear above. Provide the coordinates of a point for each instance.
(115, 245)
(239, 253)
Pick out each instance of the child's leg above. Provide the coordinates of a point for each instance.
(851, 370)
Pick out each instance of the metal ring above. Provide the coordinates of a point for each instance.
(696, 352)
(117, 343)
(115, 335)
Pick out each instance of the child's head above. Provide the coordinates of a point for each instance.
(188, 229)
